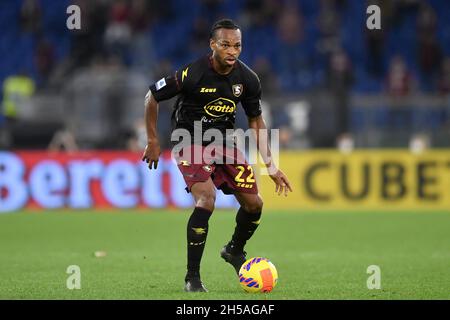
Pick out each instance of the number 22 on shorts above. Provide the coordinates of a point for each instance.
(241, 182)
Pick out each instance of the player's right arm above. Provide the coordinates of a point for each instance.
(163, 89)
(152, 150)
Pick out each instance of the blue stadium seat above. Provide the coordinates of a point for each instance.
(170, 39)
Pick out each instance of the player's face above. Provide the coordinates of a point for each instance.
(226, 46)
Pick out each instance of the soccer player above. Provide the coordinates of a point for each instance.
(208, 91)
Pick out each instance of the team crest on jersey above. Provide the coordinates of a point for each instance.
(237, 89)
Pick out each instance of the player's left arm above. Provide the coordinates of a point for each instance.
(258, 125)
(251, 103)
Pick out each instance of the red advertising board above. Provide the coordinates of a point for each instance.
(91, 179)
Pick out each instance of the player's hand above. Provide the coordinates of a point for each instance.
(151, 154)
(281, 182)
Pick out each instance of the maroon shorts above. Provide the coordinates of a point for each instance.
(227, 168)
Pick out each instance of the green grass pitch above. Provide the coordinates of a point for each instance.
(318, 255)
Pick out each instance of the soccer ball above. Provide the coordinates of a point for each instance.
(258, 275)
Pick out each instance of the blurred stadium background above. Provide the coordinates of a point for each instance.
(328, 83)
(364, 120)
(384, 87)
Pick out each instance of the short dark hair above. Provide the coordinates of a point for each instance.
(223, 24)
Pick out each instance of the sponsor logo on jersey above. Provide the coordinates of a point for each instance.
(208, 90)
(237, 89)
(160, 84)
(220, 107)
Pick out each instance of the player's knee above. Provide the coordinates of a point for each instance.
(206, 200)
(254, 206)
